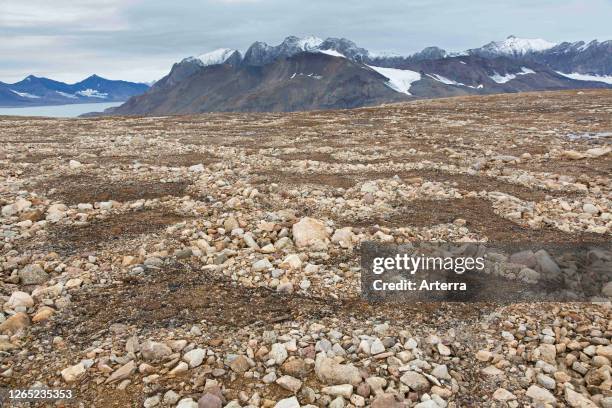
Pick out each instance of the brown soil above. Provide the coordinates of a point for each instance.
(87, 188)
(179, 294)
(108, 231)
(480, 218)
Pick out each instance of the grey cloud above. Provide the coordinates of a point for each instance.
(139, 40)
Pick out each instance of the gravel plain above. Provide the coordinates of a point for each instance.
(213, 260)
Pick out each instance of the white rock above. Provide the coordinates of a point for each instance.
(189, 403)
(73, 373)
(344, 237)
(577, 400)
(502, 394)
(262, 265)
(278, 353)
(18, 299)
(331, 372)
(309, 232)
(196, 168)
(290, 402)
(289, 383)
(194, 357)
(344, 390)
(539, 394)
(73, 164)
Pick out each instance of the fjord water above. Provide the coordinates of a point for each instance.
(59, 111)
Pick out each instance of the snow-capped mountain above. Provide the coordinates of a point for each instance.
(512, 47)
(312, 73)
(34, 90)
(218, 56)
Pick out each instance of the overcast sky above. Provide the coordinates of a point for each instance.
(139, 40)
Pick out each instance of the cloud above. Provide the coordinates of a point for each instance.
(103, 15)
(139, 40)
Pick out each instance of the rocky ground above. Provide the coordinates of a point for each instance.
(212, 260)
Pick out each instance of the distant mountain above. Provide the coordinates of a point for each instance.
(312, 73)
(303, 81)
(512, 47)
(593, 59)
(36, 91)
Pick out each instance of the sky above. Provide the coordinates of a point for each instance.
(139, 40)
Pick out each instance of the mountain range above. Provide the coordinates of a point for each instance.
(311, 73)
(36, 91)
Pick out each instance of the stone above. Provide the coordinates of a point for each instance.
(309, 231)
(240, 364)
(152, 401)
(547, 266)
(387, 400)
(33, 275)
(289, 383)
(344, 390)
(73, 373)
(484, 355)
(187, 403)
(291, 402)
(152, 350)
(196, 168)
(604, 351)
(296, 368)
(546, 381)
(377, 347)
(262, 265)
(278, 353)
(73, 164)
(598, 151)
(427, 404)
(122, 373)
(441, 372)
(590, 209)
(502, 394)
(576, 400)
(415, 381)
(194, 357)
(332, 373)
(540, 395)
(20, 299)
(572, 155)
(170, 397)
(15, 323)
(292, 261)
(492, 371)
(343, 237)
(443, 350)
(546, 352)
(44, 313)
(210, 400)
(181, 368)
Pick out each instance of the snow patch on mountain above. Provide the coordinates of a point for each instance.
(218, 56)
(333, 53)
(309, 43)
(92, 93)
(502, 79)
(449, 81)
(400, 80)
(517, 46)
(25, 94)
(586, 77)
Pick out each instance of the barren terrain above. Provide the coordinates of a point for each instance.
(155, 261)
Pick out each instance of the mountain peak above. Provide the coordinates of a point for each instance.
(218, 56)
(513, 46)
